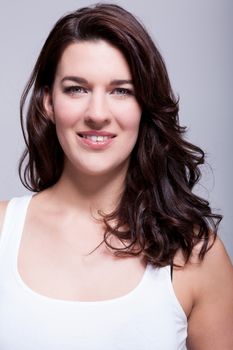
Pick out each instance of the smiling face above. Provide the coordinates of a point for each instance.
(93, 106)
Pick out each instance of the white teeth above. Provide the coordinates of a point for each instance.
(95, 138)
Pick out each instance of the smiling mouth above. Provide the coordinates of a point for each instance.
(96, 138)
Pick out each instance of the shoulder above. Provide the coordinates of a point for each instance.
(3, 206)
(215, 266)
(211, 318)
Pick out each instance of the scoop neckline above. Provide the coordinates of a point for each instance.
(38, 295)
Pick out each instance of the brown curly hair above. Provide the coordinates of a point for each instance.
(158, 210)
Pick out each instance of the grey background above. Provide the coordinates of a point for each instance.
(195, 39)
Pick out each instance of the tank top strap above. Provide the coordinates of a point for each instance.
(13, 226)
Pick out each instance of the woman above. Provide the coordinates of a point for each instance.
(114, 251)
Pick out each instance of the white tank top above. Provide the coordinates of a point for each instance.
(147, 318)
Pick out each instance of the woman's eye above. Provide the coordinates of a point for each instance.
(75, 90)
(122, 92)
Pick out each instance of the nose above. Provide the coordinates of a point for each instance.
(97, 112)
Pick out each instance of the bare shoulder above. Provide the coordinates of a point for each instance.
(214, 268)
(3, 206)
(211, 318)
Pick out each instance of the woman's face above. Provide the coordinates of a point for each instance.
(93, 106)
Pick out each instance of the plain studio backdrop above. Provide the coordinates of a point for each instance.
(195, 39)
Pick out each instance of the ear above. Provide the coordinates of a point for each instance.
(48, 104)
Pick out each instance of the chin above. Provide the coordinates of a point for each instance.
(106, 171)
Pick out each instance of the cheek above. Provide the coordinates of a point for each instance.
(130, 118)
(65, 113)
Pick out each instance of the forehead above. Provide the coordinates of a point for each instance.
(88, 57)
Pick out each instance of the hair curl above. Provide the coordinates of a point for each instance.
(158, 210)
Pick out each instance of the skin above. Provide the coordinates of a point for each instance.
(100, 104)
(53, 256)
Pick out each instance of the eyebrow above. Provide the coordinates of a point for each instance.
(121, 82)
(80, 80)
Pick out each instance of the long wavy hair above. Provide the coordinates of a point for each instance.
(158, 213)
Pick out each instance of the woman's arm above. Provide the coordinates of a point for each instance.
(211, 319)
(3, 206)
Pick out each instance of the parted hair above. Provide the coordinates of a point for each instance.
(158, 213)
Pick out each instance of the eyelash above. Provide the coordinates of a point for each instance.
(74, 90)
(80, 90)
(124, 90)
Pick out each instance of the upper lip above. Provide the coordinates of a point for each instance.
(96, 133)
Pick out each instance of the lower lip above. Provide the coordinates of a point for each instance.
(95, 145)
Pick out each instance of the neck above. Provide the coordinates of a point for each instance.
(90, 193)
